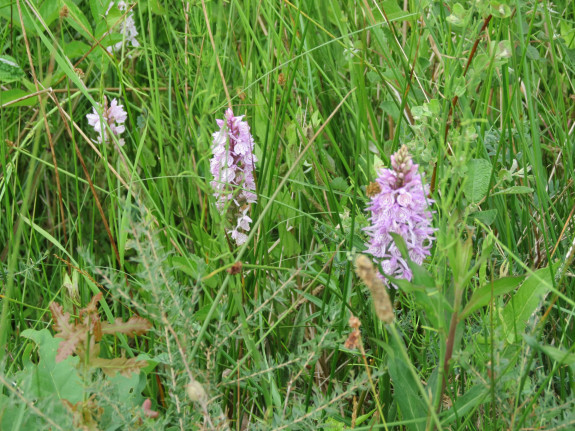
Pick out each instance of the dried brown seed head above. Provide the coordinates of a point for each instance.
(64, 12)
(236, 268)
(353, 340)
(365, 270)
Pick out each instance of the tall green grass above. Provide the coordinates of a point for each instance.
(481, 93)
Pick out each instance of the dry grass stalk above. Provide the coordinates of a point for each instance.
(365, 270)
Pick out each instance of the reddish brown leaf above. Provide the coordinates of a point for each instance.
(122, 365)
(136, 325)
(61, 319)
(92, 306)
(70, 343)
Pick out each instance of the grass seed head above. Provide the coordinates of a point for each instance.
(366, 271)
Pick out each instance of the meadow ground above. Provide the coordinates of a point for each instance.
(161, 270)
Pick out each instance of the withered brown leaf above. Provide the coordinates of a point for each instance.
(124, 366)
(135, 325)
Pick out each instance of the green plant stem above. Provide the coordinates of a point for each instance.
(254, 228)
(395, 334)
(5, 318)
(375, 394)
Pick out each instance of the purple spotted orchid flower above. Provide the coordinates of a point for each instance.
(114, 115)
(232, 168)
(399, 204)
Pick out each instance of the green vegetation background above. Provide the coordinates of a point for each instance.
(480, 92)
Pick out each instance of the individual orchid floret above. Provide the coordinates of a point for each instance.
(127, 29)
(399, 205)
(114, 116)
(232, 167)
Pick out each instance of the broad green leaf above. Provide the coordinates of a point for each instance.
(486, 217)
(515, 190)
(361, 419)
(51, 378)
(503, 50)
(390, 108)
(162, 358)
(339, 184)
(12, 414)
(459, 15)
(568, 34)
(47, 9)
(467, 403)
(477, 181)
(406, 393)
(482, 296)
(289, 244)
(500, 9)
(333, 425)
(76, 49)
(128, 388)
(16, 93)
(559, 355)
(156, 7)
(77, 20)
(394, 12)
(202, 312)
(98, 9)
(10, 71)
(533, 54)
(525, 303)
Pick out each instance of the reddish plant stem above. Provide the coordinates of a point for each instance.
(448, 354)
(456, 98)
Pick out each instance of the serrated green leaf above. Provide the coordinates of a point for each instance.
(10, 70)
(477, 181)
